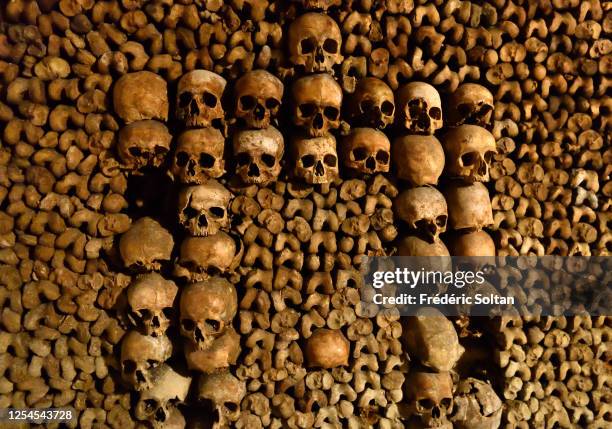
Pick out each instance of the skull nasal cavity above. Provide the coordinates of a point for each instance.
(370, 163)
(317, 122)
(319, 170)
(253, 170)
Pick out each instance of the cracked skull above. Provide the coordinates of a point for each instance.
(423, 209)
(315, 42)
(476, 406)
(140, 354)
(199, 97)
(145, 245)
(223, 392)
(469, 206)
(258, 155)
(202, 257)
(222, 352)
(207, 309)
(420, 108)
(316, 160)
(366, 150)
(469, 150)
(317, 101)
(258, 98)
(150, 298)
(470, 104)
(139, 96)
(143, 144)
(199, 156)
(203, 209)
(431, 399)
(372, 104)
(418, 159)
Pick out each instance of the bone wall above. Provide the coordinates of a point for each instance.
(70, 202)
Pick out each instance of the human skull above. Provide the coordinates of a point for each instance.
(318, 4)
(202, 257)
(423, 209)
(431, 339)
(470, 104)
(140, 354)
(139, 96)
(420, 108)
(430, 396)
(224, 393)
(476, 243)
(199, 156)
(412, 245)
(199, 97)
(469, 206)
(143, 144)
(145, 245)
(366, 150)
(258, 98)
(469, 150)
(150, 298)
(327, 348)
(314, 42)
(207, 309)
(476, 406)
(258, 155)
(222, 353)
(418, 159)
(315, 159)
(372, 104)
(317, 101)
(168, 389)
(204, 209)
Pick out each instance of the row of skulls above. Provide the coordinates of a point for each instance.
(258, 147)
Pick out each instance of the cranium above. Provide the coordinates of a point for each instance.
(199, 97)
(258, 98)
(476, 406)
(258, 155)
(418, 159)
(202, 257)
(224, 393)
(315, 159)
(207, 309)
(145, 245)
(199, 156)
(318, 4)
(423, 209)
(366, 150)
(139, 96)
(314, 42)
(203, 209)
(151, 298)
(327, 348)
(168, 389)
(469, 150)
(431, 339)
(420, 108)
(372, 104)
(143, 144)
(317, 101)
(470, 104)
(415, 246)
(140, 354)
(469, 206)
(476, 243)
(431, 399)
(222, 353)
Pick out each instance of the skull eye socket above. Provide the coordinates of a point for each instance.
(435, 112)
(359, 154)
(217, 211)
(135, 151)
(206, 160)
(268, 160)
(150, 405)
(307, 161)
(307, 46)
(307, 109)
(272, 103)
(446, 402)
(129, 366)
(243, 159)
(488, 156)
(181, 159)
(214, 325)
(366, 105)
(468, 159)
(184, 99)
(187, 324)
(441, 221)
(426, 404)
(382, 157)
(210, 99)
(231, 407)
(247, 102)
(168, 312)
(330, 160)
(330, 46)
(387, 108)
(331, 113)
